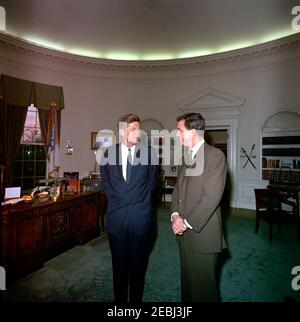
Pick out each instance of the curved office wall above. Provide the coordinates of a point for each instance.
(259, 80)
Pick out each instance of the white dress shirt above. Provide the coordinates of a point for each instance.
(124, 153)
(194, 150)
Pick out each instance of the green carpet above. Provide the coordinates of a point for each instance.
(252, 270)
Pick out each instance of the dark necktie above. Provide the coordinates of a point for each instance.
(190, 163)
(129, 165)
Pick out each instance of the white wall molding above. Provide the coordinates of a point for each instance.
(286, 120)
(95, 96)
(246, 192)
(233, 56)
(213, 103)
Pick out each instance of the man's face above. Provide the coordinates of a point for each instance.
(185, 136)
(132, 133)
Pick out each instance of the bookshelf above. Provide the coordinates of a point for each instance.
(281, 156)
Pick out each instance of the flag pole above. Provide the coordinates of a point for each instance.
(53, 140)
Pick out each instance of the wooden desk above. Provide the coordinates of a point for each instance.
(31, 234)
(290, 191)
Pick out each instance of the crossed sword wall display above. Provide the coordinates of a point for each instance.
(248, 156)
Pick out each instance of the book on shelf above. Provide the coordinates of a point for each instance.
(278, 175)
(294, 139)
(291, 152)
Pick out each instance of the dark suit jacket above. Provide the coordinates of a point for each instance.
(196, 198)
(130, 205)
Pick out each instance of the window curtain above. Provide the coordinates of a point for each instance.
(45, 95)
(46, 98)
(15, 96)
(12, 120)
(47, 128)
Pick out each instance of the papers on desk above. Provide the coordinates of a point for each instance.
(12, 201)
(13, 192)
(12, 196)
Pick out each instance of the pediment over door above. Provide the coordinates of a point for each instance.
(212, 102)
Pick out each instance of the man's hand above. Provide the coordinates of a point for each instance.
(178, 225)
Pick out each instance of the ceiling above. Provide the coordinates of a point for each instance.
(148, 29)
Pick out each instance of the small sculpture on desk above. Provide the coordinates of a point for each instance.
(63, 187)
(43, 196)
(40, 193)
(55, 192)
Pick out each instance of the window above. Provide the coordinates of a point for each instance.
(30, 163)
(32, 131)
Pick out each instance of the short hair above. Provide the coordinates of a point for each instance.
(128, 118)
(193, 121)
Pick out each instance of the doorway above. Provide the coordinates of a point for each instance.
(219, 139)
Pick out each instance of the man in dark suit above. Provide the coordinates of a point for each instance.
(196, 215)
(129, 175)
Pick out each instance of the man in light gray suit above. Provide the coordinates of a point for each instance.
(196, 215)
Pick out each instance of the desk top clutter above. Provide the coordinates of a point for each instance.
(46, 190)
(54, 188)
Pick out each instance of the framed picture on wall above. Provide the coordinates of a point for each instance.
(102, 139)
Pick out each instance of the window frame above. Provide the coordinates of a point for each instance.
(23, 164)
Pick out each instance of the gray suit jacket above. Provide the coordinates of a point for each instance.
(196, 198)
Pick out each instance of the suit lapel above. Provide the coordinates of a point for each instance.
(119, 161)
(136, 160)
(182, 177)
(198, 169)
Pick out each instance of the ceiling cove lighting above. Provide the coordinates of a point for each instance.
(276, 35)
(127, 56)
(84, 52)
(158, 56)
(195, 53)
(239, 45)
(121, 56)
(45, 43)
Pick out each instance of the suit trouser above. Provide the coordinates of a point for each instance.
(129, 260)
(198, 275)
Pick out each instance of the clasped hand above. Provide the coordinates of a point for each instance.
(178, 225)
